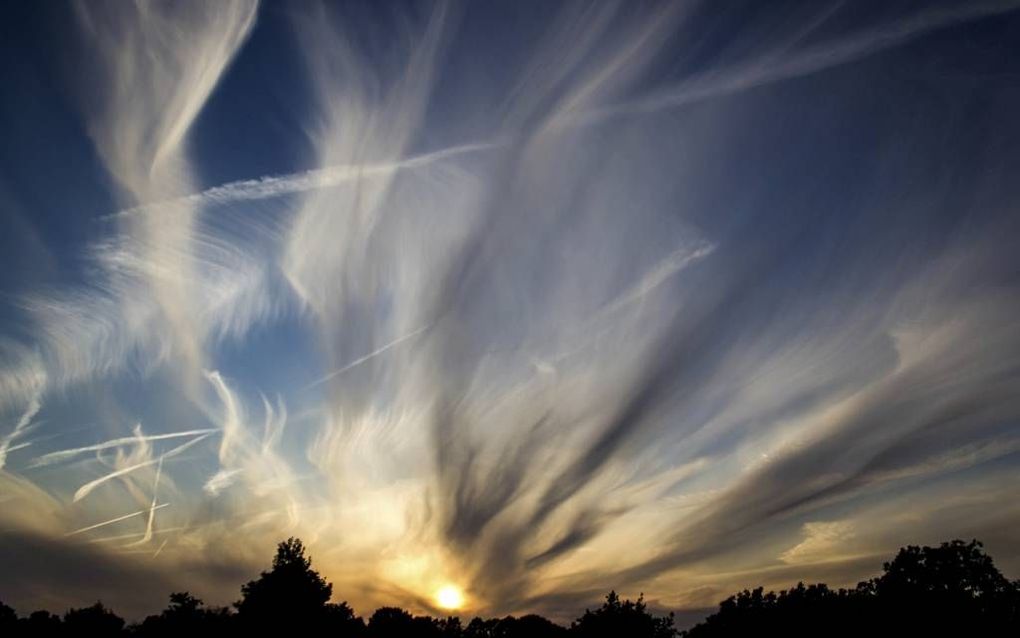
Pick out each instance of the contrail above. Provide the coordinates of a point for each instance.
(152, 508)
(117, 520)
(84, 490)
(161, 546)
(666, 268)
(368, 356)
(19, 428)
(56, 457)
(279, 185)
(120, 537)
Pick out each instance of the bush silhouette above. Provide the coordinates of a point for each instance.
(950, 590)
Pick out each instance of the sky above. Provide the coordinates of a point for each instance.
(519, 300)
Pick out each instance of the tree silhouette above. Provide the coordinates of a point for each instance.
(450, 627)
(952, 587)
(622, 618)
(289, 596)
(8, 619)
(953, 571)
(41, 624)
(342, 621)
(529, 626)
(950, 590)
(96, 620)
(185, 616)
(389, 622)
(805, 610)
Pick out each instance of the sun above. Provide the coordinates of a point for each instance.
(450, 597)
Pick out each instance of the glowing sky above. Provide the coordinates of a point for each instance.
(518, 301)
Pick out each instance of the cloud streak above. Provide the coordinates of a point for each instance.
(781, 65)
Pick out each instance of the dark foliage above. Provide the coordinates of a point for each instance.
(92, 621)
(531, 625)
(42, 624)
(8, 619)
(390, 621)
(185, 616)
(950, 590)
(621, 618)
(290, 596)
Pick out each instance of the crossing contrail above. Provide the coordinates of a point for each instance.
(117, 520)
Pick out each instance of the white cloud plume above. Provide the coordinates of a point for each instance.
(157, 64)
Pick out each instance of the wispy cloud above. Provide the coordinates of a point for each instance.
(156, 65)
(784, 64)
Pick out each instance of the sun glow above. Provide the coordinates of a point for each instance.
(450, 597)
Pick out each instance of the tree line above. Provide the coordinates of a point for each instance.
(950, 590)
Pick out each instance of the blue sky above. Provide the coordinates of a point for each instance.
(525, 299)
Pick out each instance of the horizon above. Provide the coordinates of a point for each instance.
(910, 582)
(502, 306)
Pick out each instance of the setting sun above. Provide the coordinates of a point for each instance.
(450, 597)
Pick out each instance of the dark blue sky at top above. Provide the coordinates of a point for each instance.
(951, 92)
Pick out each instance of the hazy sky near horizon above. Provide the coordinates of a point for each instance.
(529, 299)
